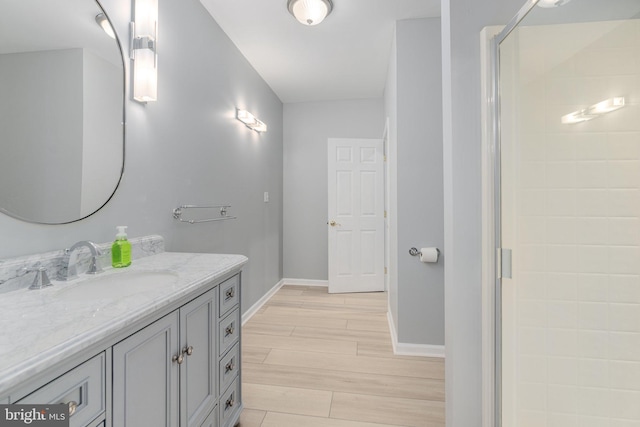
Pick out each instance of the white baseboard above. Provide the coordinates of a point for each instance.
(305, 282)
(255, 307)
(406, 349)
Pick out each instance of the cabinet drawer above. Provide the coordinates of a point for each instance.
(229, 331)
(229, 294)
(230, 403)
(82, 388)
(229, 367)
(212, 419)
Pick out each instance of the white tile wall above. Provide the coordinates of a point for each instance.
(576, 228)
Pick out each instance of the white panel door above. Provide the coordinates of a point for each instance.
(356, 215)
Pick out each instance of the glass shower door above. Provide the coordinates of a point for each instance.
(570, 212)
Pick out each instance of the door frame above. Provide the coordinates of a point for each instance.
(490, 39)
(387, 202)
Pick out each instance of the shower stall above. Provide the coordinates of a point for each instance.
(566, 157)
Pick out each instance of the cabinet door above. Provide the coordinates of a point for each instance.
(145, 379)
(198, 372)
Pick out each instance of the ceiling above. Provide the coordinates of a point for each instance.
(344, 57)
(26, 26)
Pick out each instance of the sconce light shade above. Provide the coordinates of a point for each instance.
(596, 110)
(102, 20)
(250, 121)
(552, 3)
(310, 12)
(144, 50)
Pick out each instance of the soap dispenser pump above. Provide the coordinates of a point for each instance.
(121, 249)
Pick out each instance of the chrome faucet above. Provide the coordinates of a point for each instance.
(69, 270)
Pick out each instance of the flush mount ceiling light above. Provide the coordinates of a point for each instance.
(310, 12)
(102, 20)
(552, 3)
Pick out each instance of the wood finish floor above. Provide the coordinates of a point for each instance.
(313, 359)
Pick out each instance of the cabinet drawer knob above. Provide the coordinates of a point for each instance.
(188, 350)
(229, 366)
(178, 358)
(73, 406)
(229, 403)
(229, 330)
(230, 293)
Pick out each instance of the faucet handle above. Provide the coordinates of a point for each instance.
(41, 280)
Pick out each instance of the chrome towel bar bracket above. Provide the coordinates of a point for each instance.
(177, 213)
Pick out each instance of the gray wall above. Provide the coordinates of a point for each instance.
(419, 186)
(307, 126)
(102, 139)
(413, 106)
(188, 148)
(462, 21)
(48, 86)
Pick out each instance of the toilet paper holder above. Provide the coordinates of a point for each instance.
(416, 252)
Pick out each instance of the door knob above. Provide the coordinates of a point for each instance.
(333, 223)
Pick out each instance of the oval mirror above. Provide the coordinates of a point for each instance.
(61, 110)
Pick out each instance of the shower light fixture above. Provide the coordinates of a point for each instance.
(250, 121)
(552, 3)
(596, 110)
(310, 12)
(144, 50)
(104, 23)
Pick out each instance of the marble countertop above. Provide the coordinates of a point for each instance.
(41, 328)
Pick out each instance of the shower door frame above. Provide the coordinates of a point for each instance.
(492, 229)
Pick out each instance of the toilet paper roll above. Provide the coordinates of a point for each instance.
(429, 254)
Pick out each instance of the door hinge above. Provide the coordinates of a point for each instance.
(385, 157)
(503, 263)
(385, 214)
(385, 270)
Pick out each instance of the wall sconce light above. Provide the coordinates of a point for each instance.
(144, 50)
(250, 121)
(596, 110)
(102, 20)
(552, 3)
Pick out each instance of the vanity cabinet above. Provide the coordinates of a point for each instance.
(145, 380)
(172, 372)
(82, 389)
(168, 355)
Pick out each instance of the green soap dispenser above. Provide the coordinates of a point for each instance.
(121, 249)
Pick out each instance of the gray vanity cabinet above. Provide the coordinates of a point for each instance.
(170, 362)
(212, 419)
(145, 380)
(199, 368)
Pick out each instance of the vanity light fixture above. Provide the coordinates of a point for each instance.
(250, 121)
(310, 12)
(104, 23)
(552, 3)
(144, 50)
(596, 110)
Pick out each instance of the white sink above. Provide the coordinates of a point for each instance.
(119, 284)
